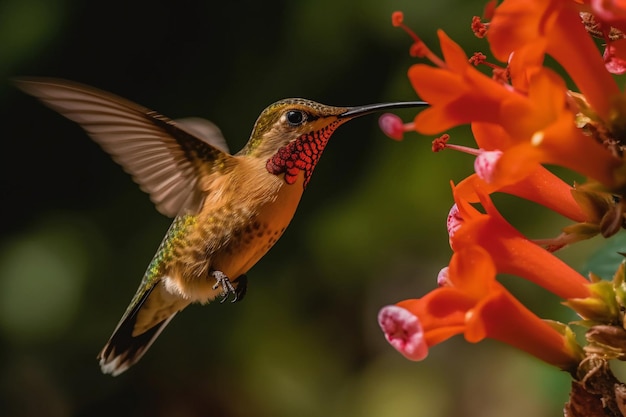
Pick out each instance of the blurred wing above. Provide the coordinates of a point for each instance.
(164, 158)
(205, 130)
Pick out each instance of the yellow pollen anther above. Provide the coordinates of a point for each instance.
(537, 138)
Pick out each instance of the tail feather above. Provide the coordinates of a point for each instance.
(124, 350)
(138, 329)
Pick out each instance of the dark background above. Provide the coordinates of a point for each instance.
(78, 233)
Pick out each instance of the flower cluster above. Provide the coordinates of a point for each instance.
(523, 118)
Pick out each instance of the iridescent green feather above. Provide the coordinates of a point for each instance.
(163, 256)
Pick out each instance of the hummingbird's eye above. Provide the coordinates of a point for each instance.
(295, 117)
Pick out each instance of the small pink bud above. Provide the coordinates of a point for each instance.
(392, 126)
(403, 331)
(485, 165)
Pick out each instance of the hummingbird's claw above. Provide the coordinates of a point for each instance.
(227, 287)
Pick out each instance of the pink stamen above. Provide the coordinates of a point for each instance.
(392, 126)
(441, 143)
(464, 149)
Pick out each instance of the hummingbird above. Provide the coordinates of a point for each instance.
(228, 209)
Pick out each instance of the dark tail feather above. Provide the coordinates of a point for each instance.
(123, 349)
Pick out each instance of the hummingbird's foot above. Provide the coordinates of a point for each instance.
(227, 287)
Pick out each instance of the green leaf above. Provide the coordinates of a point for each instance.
(606, 260)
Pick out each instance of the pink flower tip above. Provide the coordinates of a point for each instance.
(403, 331)
(613, 64)
(485, 165)
(392, 126)
(454, 221)
(443, 279)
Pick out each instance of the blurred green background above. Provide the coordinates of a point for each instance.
(370, 231)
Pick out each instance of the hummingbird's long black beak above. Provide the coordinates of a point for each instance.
(372, 108)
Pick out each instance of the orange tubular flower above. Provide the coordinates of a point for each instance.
(539, 124)
(554, 26)
(475, 304)
(513, 253)
(547, 133)
(539, 185)
(458, 93)
(524, 118)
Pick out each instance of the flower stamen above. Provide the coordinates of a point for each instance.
(479, 28)
(478, 58)
(419, 48)
(440, 143)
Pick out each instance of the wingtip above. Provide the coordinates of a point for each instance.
(33, 85)
(22, 83)
(25, 80)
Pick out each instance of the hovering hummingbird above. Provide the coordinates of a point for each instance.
(228, 210)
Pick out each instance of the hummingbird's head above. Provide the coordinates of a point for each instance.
(292, 133)
(287, 120)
